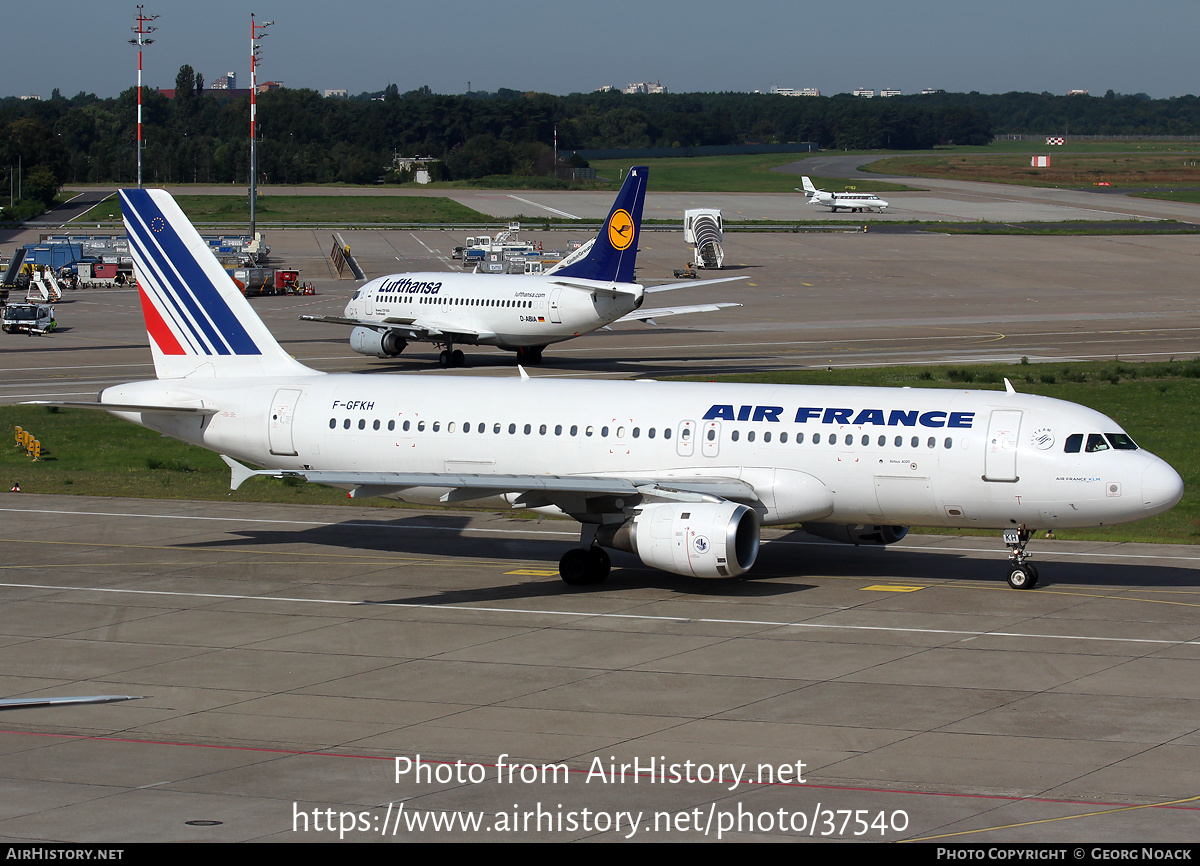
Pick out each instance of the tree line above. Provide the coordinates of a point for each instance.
(198, 136)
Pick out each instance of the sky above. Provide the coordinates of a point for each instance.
(562, 47)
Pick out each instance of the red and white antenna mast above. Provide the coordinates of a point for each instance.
(142, 29)
(255, 34)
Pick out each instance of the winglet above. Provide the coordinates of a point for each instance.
(1008, 386)
(524, 375)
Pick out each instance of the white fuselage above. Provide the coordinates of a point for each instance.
(848, 201)
(986, 459)
(509, 311)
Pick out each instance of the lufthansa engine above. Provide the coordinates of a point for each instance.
(368, 341)
(704, 539)
(857, 533)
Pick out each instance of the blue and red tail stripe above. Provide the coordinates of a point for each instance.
(190, 315)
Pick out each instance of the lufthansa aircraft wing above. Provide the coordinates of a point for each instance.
(661, 312)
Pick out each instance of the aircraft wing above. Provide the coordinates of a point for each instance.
(690, 284)
(181, 409)
(660, 312)
(339, 320)
(27, 703)
(570, 493)
(410, 329)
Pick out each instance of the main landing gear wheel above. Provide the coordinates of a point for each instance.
(584, 567)
(529, 355)
(452, 358)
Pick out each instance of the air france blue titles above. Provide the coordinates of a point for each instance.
(832, 415)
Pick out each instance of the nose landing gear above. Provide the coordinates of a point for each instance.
(1021, 574)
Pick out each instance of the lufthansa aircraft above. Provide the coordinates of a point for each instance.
(851, 201)
(681, 474)
(515, 312)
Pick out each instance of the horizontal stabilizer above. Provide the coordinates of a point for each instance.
(690, 284)
(615, 290)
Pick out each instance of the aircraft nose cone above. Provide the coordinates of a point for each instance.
(1161, 487)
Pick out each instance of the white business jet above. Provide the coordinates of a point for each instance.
(680, 474)
(855, 202)
(515, 312)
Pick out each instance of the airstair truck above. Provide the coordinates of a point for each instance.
(704, 232)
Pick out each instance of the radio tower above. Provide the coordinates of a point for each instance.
(141, 41)
(255, 35)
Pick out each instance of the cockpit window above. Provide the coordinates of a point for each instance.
(1121, 441)
(1074, 443)
(1096, 442)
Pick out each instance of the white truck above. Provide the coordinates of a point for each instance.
(29, 319)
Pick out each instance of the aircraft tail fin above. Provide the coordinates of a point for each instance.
(199, 322)
(613, 253)
(809, 189)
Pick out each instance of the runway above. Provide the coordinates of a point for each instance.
(289, 655)
(286, 656)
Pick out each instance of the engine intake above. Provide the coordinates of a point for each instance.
(705, 539)
(368, 341)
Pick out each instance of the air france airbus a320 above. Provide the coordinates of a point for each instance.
(680, 474)
(520, 313)
(855, 202)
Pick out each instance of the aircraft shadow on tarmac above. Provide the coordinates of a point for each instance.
(784, 567)
(640, 369)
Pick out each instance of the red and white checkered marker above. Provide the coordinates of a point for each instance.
(1056, 139)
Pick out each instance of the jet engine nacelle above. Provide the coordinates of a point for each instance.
(857, 533)
(379, 344)
(702, 539)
